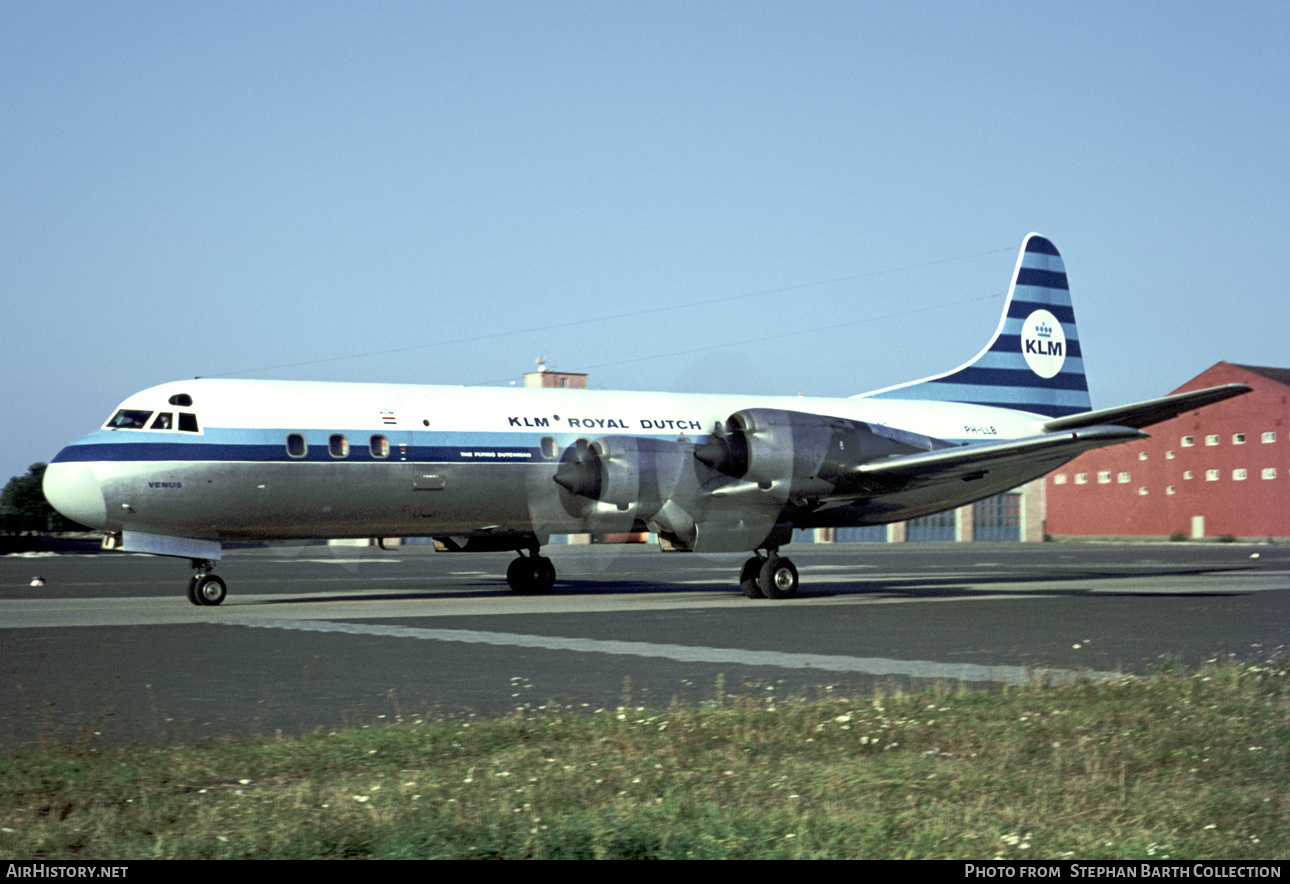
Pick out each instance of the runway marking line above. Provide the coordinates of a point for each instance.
(970, 672)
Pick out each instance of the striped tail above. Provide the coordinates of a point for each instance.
(1033, 363)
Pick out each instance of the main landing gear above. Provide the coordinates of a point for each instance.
(531, 574)
(772, 577)
(205, 588)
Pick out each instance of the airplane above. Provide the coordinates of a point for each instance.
(182, 468)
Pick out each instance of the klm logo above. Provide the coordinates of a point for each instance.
(1042, 348)
(1043, 343)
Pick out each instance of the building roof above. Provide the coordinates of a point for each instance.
(1280, 375)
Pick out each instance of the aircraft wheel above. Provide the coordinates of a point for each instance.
(543, 575)
(192, 591)
(208, 589)
(748, 578)
(531, 575)
(513, 574)
(778, 578)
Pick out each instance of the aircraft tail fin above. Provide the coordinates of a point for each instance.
(1033, 363)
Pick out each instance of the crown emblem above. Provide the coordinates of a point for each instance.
(1044, 330)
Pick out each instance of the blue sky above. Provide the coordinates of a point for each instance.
(808, 197)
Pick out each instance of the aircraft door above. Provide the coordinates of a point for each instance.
(423, 441)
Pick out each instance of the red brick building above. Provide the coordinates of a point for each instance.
(1220, 471)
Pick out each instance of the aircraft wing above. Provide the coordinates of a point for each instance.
(1033, 454)
(1144, 414)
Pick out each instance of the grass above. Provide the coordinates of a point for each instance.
(1180, 765)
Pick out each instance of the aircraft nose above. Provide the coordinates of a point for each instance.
(74, 490)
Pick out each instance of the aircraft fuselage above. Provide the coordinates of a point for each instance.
(278, 460)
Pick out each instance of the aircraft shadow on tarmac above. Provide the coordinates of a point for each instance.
(911, 587)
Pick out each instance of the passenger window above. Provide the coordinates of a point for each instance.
(164, 421)
(379, 446)
(129, 419)
(549, 448)
(296, 446)
(338, 445)
(187, 422)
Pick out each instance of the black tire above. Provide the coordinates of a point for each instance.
(531, 575)
(515, 574)
(192, 591)
(543, 575)
(778, 578)
(209, 589)
(748, 578)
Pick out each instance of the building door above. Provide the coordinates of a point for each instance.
(998, 517)
(938, 526)
(863, 534)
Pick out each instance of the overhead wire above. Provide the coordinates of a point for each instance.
(775, 337)
(647, 311)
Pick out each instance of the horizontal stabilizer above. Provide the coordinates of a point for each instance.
(1144, 414)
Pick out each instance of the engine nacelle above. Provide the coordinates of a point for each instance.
(625, 471)
(732, 492)
(802, 452)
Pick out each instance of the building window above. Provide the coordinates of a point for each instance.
(1104, 477)
(1188, 441)
(1269, 437)
(1171, 490)
(1142, 491)
(1238, 438)
(1122, 478)
(1081, 478)
(1059, 479)
(1211, 440)
(1269, 472)
(1187, 474)
(1211, 475)
(1238, 475)
(1142, 455)
(1169, 455)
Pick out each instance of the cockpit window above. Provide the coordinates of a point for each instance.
(183, 400)
(187, 422)
(129, 419)
(164, 421)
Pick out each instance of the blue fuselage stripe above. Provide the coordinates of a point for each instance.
(248, 446)
(161, 451)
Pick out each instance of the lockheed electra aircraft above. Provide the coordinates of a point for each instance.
(182, 468)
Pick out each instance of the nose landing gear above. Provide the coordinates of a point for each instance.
(205, 589)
